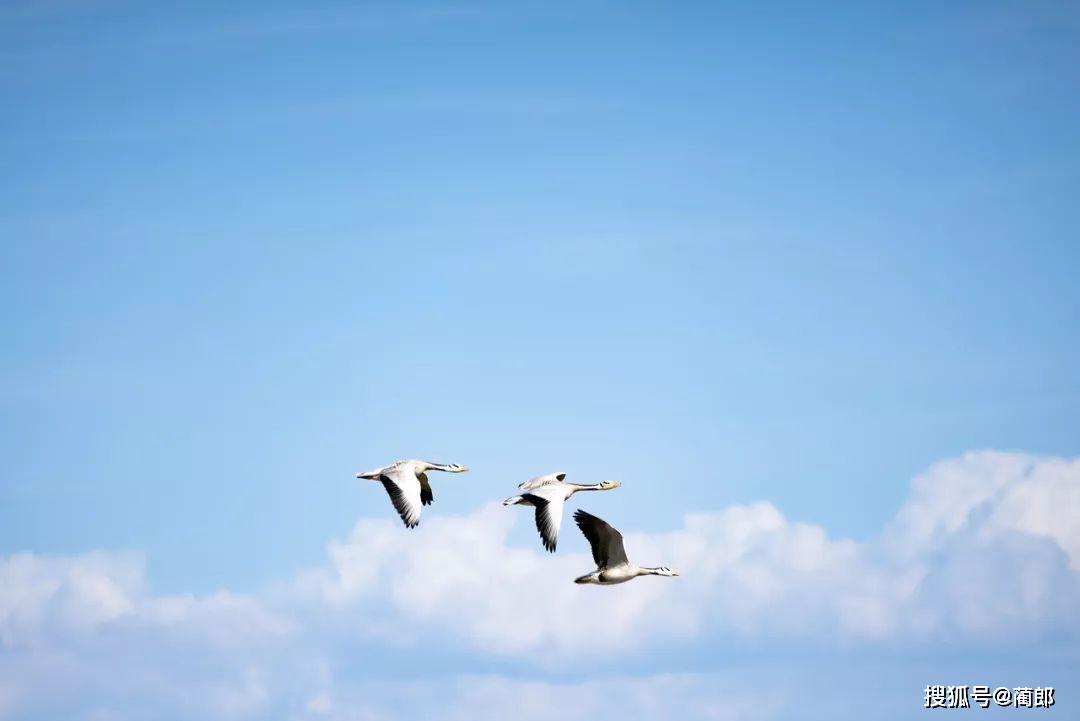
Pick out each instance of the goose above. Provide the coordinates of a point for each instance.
(544, 480)
(407, 485)
(548, 493)
(612, 566)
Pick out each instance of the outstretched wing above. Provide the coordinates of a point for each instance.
(375, 473)
(545, 480)
(548, 518)
(606, 542)
(403, 487)
(426, 496)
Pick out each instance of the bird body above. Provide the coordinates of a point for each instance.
(548, 494)
(406, 483)
(544, 480)
(612, 565)
(610, 576)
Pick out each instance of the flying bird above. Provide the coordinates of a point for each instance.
(612, 566)
(547, 494)
(544, 480)
(407, 485)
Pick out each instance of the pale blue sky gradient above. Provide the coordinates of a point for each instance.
(743, 254)
(790, 252)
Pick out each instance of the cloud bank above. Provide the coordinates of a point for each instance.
(984, 550)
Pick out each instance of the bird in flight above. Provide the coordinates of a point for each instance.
(612, 566)
(406, 483)
(547, 494)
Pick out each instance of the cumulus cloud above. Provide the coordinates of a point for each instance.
(982, 545)
(697, 697)
(990, 492)
(74, 594)
(746, 571)
(48, 597)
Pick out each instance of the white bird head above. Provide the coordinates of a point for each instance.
(609, 484)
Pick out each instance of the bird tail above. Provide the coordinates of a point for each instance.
(512, 500)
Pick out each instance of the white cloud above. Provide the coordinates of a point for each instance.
(1039, 504)
(746, 571)
(981, 550)
(943, 499)
(76, 594)
(989, 492)
(475, 697)
(222, 619)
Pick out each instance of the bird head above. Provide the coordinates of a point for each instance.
(455, 468)
(665, 571)
(609, 484)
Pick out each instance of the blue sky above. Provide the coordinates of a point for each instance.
(727, 255)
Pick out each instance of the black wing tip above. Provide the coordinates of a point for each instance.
(581, 516)
(548, 545)
(396, 499)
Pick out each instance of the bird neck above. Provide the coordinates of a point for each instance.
(587, 487)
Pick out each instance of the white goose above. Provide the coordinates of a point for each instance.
(548, 493)
(612, 566)
(407, 485)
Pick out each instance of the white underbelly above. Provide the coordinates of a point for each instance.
(612, 576)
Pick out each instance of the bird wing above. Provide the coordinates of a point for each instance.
(548, 516)
(403, 487)
(375, 473)
(544, 480)
(606, 542)
(426, 496)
